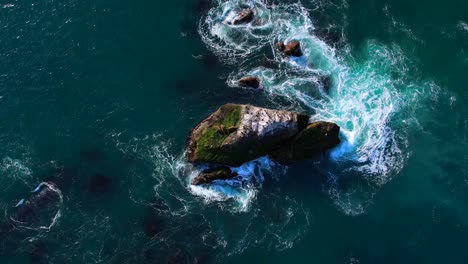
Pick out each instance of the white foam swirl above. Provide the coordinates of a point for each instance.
(371, 97)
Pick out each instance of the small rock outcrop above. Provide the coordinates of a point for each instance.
(250, 82)
(235, 134)
(209, 175)
(313, 140)
(99, 183)
(292, 48)
(243, 17)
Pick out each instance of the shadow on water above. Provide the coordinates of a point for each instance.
(38, 253)
(64, 178)
(67, 189)
(153, 222)
(176, 255)
(99, 184)
(172, 239)
(91, 155)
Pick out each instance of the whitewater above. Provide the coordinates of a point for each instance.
(371, 97)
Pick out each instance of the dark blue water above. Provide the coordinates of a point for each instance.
(98, 97)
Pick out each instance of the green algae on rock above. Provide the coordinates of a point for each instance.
(235, 134)
(209, 136)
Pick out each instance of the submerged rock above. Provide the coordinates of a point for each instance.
(99, 183)
(331, 36)
(250, 81)
(64, 178)
(314, 140)
(179, 256)
(292, 48)
(202, 5)
(235, 134)
(243, 17)
(207, 176)
(153, 222)
(210, 61)
(326, 82)
(151, 226)
(38, 252)
(37, 207)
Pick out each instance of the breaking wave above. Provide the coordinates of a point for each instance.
(41, 211)
(372, 95)
(174, 199)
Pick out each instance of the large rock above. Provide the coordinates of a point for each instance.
(292, 48)
(235, 134)
(243, 17)
(314, 140)
(250, 81)
(209, 175)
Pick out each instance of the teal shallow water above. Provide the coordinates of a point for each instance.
(112, 88)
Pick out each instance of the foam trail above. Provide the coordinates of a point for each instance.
(242, 189)
(41, 209)
(238, 41)
(235, 197)
(366, 97)
(463, 25)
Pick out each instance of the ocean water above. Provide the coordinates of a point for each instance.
(98, 98)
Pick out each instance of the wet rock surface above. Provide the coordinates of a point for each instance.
(209, 175)
(250, 82)
(235, 134)
(292, 48)
(243, 17)
(313, 140)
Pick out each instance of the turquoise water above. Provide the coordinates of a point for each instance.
(99, 98)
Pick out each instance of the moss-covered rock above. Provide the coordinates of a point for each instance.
(315, 139)
(235, 134)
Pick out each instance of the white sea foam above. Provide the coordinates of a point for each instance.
(238, 197)
(54, 209)
(372, 99)
(242, 189)
(14, 170)
(463, 25)
(237, 41)
(397, 26)
(15, 165)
